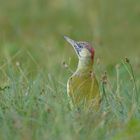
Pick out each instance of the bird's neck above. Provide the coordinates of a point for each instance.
(84, 66)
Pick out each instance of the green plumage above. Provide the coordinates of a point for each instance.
(83, 90)
(82, 86)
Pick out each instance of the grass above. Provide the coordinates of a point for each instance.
(35, 63)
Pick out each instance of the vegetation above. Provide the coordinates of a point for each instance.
(35, 63)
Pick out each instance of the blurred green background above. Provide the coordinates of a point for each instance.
(36, 28)
(33, 57)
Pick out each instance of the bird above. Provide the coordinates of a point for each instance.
(82, 87)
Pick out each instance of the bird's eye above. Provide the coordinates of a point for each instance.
(80, 46)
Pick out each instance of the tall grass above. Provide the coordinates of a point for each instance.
(39, 108)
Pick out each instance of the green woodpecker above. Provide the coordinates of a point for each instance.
(82, 86)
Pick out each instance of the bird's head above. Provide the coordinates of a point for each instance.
(83, 49)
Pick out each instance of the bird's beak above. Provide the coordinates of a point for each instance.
(73, 43)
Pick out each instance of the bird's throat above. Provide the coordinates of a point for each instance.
(84, 66)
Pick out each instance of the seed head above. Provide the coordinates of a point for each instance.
(127, 60)
(64, 64)
(104, 78)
